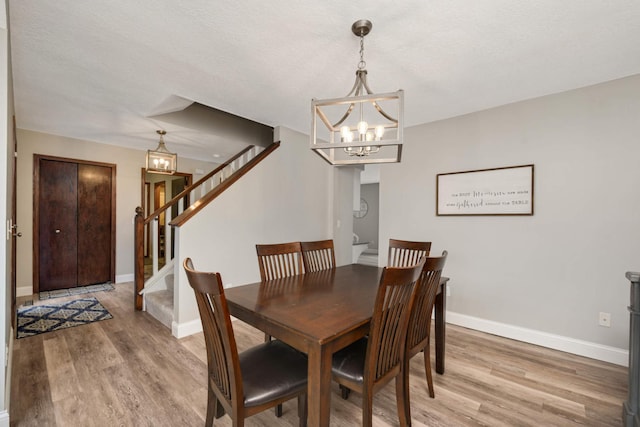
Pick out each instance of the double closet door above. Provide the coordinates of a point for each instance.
(74, 223)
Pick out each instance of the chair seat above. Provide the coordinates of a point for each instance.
(348, 363)
(286, 373)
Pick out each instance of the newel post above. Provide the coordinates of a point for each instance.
(138, 263)
(630, 415)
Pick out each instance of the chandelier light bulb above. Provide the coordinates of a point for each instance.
(379, 132)
(362, 127)
(345, 133)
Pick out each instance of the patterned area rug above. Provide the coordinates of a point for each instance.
(38, 319)
(76, 291)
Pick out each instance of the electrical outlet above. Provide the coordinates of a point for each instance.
(604, 319)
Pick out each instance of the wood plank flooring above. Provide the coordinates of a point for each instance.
(130, 371)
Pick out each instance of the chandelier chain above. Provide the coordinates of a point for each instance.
(362, 64)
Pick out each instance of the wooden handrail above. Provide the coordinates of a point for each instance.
(140, 221)
(211, 195)
(190, 188)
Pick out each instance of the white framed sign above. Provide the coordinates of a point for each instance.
(497, 191)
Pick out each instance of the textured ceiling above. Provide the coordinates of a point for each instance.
(99, 70)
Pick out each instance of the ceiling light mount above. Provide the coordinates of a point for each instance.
(371, 128)
(161, 160)
(361, 27)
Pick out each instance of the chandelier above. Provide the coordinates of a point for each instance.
(362, 127)
(161, 160)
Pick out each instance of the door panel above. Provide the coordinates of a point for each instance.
(58, 226)
(94, 224)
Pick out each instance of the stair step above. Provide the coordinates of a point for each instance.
(160, 305)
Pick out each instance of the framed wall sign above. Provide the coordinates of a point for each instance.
(498, 191)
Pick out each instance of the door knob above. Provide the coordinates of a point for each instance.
(18, 234)
(57, 231)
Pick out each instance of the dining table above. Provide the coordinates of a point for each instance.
(319, 313)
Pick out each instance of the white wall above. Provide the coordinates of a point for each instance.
(541, 278)
(128, 163)
(287, 197)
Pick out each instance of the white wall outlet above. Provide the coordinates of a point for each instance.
(604, 319)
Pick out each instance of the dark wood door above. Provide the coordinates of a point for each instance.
(58, 228)
(75, 213)
(94, 224)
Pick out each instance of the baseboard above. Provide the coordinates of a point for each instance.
(24, 291)
(4, 415)
(125, 278)
(592, 350)
(181, 330)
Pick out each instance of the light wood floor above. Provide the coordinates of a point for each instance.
(130, 371)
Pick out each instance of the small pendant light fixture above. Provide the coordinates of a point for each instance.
(362, 127)
(161, 160)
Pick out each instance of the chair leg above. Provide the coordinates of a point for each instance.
(278, 410)
(302, 409)
(427, 369)
(367, 409)
(212, 408)
(344, 392)
(402, 393)
(219, 409)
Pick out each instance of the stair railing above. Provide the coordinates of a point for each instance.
(201, 192)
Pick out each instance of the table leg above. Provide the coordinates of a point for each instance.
(319, 387)
(440, 309)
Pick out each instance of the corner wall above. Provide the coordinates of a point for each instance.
(541, 278)
(289, 196)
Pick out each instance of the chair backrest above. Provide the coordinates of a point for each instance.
(318, 255)
(385, 350)
(222, 353)
(279, 260)
(427, 288)
(404, 253)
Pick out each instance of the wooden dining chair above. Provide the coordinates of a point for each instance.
(250, 382)
(318, 255)
(370, 363)
(419, 329)
(279, 260)
(403, 253)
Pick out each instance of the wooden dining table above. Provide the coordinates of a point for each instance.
(319, 313)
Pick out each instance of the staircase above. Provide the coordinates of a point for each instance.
(154, 290)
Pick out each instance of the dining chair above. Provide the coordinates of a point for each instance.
(318, 255)
(419, 329)
(243, 384)
(371, 362)
(403, 253)
(277, 261)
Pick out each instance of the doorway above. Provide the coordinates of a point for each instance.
(157, 190)
(159, 199)
(74, 223)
